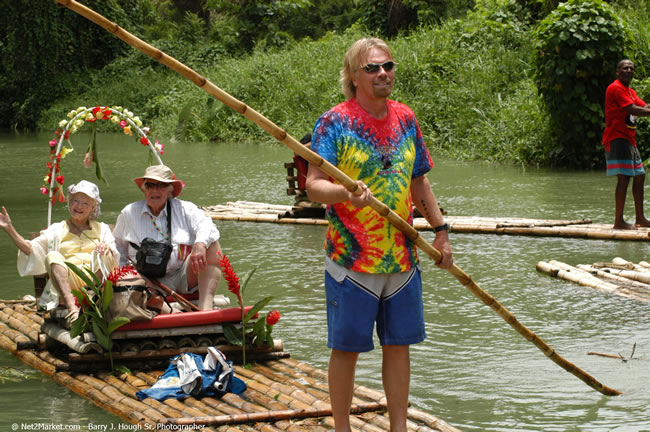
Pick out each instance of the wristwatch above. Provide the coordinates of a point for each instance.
(443, 227)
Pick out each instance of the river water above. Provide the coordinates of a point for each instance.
(473, 370)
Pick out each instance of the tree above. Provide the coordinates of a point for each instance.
(45, 50)
(576, 51)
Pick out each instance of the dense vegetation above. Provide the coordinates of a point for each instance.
(478, 74)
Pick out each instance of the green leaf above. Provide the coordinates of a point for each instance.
(102, 337)
(108, 295)
(232, 334)
(78, 326)
(259, 329)
(117, 323)
(246, 279)
(83, 274)
(256, 308)
(123, 369)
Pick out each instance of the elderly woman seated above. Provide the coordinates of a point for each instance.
(194, 237)
(80, 239)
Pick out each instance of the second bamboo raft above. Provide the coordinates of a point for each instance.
(248, 211)
(618, 277)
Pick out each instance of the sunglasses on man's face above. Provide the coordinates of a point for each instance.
(374, 67)
(149, 185)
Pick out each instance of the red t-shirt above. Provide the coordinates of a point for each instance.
(618, 122)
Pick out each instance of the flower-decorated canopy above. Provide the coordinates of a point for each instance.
(53, 181)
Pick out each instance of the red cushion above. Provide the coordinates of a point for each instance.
(187, 319)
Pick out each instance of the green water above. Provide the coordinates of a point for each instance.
(473, 370)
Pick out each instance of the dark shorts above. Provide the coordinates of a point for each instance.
(623, 159)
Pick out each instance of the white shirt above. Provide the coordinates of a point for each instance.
(190, 225)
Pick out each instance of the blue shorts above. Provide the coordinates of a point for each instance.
(353, 309)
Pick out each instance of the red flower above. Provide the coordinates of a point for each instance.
(144, 140)
(119, 273)
(231, 277)
(273, 317)
(60, 179)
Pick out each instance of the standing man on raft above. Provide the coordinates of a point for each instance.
(622, 107)
(371, 270)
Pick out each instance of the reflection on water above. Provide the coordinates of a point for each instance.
(473, 370)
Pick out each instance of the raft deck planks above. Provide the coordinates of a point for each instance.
(279, 385)
(247, 211)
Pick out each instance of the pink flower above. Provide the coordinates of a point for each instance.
(44, 190)
(88, 159)
(53, 143)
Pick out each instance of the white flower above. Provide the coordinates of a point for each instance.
(137, 121)
(62, 123)
(89, 116)
(72, 114)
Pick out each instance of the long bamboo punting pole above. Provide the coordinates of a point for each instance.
(337, 174)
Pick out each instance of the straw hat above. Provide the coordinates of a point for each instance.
(162, 174)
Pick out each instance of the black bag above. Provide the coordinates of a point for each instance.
(152, 256)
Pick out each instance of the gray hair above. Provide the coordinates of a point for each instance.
(352, 62)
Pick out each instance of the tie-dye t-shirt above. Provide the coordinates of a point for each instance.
(385, 154)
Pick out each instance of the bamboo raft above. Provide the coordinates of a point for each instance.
(619, 277)
(247, 211)
(282, 394)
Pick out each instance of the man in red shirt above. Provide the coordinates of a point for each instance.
(622, 107)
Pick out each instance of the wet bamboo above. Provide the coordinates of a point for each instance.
(272, 416)
(346, 181)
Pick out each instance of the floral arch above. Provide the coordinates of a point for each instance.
(60, 145)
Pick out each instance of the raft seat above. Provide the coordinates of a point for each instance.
(188, 319)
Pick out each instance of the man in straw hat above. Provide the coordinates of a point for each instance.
(194, 237)
(372, 273)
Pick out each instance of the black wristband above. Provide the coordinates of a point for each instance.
(443, 227)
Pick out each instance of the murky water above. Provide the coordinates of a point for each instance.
(473, 370)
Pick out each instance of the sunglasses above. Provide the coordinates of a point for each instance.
(374, 67)
(149, 185)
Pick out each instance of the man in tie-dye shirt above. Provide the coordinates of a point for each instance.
(372, 273)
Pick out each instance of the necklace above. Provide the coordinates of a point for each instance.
(153, 220)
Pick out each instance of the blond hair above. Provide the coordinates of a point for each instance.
(352, 62)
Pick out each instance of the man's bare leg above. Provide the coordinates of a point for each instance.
(619, 195)
(396, 375)
(637, 193)
(341, 386)
(207, 280)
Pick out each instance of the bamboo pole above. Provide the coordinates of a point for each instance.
(346, 181)
(272, 416)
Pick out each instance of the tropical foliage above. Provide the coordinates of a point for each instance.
(470, 69)
(576, 51)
